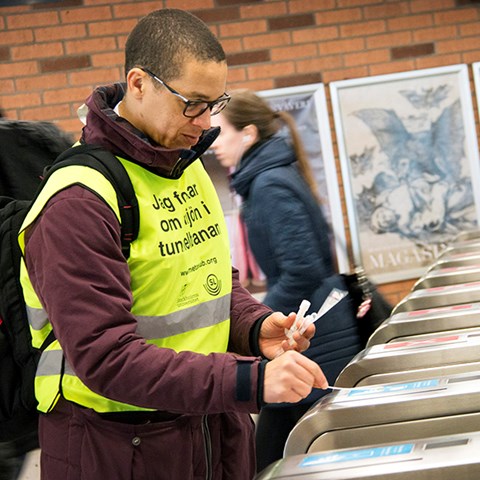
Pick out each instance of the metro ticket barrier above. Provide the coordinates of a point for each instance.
(463, 246)
(420, 322)
(444, 457)
(467, 235)
(439, 297)
(448, 276)
(456, 260)
(393, 412)
(414, 358)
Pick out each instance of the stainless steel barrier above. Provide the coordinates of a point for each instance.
(414, 358)
(439, 297)
(456, 260)
(393, 412)
(463, 246)
(470, 235)
(419, 322)
(443, 457)
(448, 276)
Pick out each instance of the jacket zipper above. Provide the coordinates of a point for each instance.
(207, 447)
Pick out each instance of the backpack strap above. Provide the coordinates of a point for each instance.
(108, 165)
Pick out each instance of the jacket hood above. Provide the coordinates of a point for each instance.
(271, 153)
(104, 127)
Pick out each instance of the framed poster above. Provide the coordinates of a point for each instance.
(307, 104)
(409, 161)
(476, 81)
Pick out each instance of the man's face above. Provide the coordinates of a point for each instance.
(160, 113)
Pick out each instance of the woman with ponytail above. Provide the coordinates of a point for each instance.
(290, 239)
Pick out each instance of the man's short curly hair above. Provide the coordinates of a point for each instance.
(165, 38)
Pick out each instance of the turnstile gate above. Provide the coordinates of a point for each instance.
(448, 276)
(420, 322)
(443, 457)
(414, 358)
(456, 260)
(393, 412)
(439, 297)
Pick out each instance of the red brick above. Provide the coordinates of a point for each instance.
(259, 10)
(456, 16)
(18, 69)
(410, 22)
(256, 85)
(363, 28)
(57, 4)
(341, 46)
(279, 69)
(60, 32)
(99, 44)
(96, 77)
(213, 15)
(234, 45)
(62, 64)
(418, 50)
(41, 82)
(27, 20)
(108, 59)
(232, 2)
(392, 67)
(238, 74)
(367, 57)
(297, 6)
(4, 54)
(431, 5)
(387, 10)
(389, 40)
(16, 37)
(38, 50)
(86, 14)
(439, 60)
(267, 40)
(188, 4)
(467, 29)
(66, 95)
(291, 21)
(339, 16)
(435, 33)
(243, 29)
(19, 99)
(344, 74)
(132, 9)
(6, 86)
(113, 27)
(304, 79)
(294, 52)
(320, 64)
(315, 34)
(249, 57)
(53, 112)
(457, 45)
(72, 126)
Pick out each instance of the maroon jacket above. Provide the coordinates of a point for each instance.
(76, 265)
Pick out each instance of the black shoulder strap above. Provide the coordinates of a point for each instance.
(106, 163)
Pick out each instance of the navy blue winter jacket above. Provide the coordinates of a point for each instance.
(290, 240)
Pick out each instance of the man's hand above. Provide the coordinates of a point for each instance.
(272, 339)
(290, 377)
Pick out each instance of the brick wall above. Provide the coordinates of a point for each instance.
(53, 54)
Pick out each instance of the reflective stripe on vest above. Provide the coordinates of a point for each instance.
(181, 301)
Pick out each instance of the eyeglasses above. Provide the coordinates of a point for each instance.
(194, 108)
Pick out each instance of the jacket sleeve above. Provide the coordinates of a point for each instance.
(75, 262)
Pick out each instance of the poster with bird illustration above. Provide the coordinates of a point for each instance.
(410, 166)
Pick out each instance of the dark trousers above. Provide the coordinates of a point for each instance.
(273, 426)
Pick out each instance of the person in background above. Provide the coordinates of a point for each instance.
(27, 147)
(160, 358)
(290, 239)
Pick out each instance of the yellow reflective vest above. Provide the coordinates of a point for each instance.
(180, 273)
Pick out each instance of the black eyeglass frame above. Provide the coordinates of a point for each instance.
(220, 102)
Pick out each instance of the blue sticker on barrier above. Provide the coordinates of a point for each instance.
(353, 455)
(399, 387)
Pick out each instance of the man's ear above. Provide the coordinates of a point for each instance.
(136, 82)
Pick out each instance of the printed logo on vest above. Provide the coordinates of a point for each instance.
(213, 285)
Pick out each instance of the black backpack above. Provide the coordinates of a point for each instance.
(18, 358)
